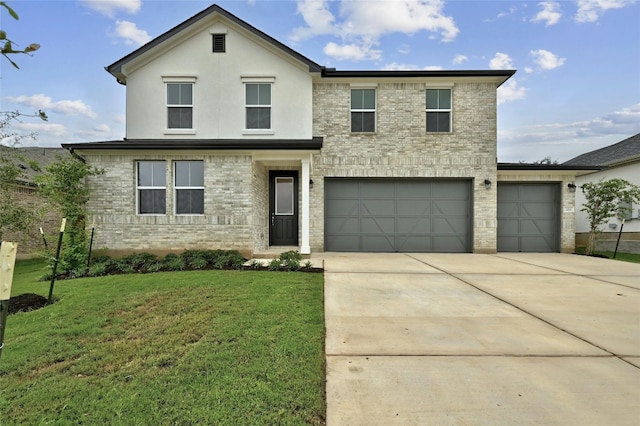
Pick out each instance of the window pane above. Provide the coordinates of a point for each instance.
(173, 94)
(159, 173)
(284, 196)
(444, 98)
(369, 99)
(258, 118)
(189, 201)
(264, 94)
(356, 121)
(252, 94)
(152, 201)
(438, 122)
(197, 173)
(182, 173)
(443, 122)
(189, 173)
(186, 94)
(368, 121)
(432, 98)
(356, 99)
(180, 118)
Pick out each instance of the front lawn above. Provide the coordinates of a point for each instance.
(198, 347)
(627, 257)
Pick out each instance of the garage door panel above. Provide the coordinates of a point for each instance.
(419, 225)
(528, 217)
(377, 207)
(337, 225)
(398, 215)
(378, 225)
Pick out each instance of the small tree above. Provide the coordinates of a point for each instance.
(606, 199)
(64, 185)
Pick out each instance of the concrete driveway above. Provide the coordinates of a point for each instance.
(470, 339)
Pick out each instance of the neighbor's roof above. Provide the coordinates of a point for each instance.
(622, 152)
(40, 155)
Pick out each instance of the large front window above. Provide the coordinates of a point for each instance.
(189, 187)
(179, 105)
(151, 187)
(438, 110)
(258, 105)
(363, 110)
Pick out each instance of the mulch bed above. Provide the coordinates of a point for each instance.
(26, 302)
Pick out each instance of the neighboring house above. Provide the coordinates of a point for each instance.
(620, 160)
(235, 141)
(24, 190)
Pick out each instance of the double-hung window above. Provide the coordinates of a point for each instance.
(189, 187)
(258, 105)
(363, 110)
(179, 105)
(438, 110)
(151, 187)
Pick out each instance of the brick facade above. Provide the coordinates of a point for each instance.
(401, 148)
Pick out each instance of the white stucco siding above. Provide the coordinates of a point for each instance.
(219, 99)
(631, 173)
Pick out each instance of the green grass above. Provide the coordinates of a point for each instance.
(179, 348)
(627, 257)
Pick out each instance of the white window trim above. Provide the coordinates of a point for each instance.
(355, 86)
(449, 110)
(179, 131)
(176, 188)
(260, 80)
(138, 188)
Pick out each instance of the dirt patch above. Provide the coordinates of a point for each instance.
(26, 302)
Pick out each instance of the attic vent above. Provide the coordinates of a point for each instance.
(218, 43)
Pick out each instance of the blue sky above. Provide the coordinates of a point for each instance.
(577, 87)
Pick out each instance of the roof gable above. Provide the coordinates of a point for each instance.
(625, 151)
(116, 68)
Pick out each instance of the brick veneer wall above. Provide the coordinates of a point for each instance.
(30, 243)
(400, 147)
(226, 224)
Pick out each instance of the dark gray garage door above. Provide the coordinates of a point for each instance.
(528, 217)
(407, 215)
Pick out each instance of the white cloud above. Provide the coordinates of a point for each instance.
(511, 91)
(131, 34)
(100, 130)
(591, 10)
(110, 8)
(501, 61)
(362, 23)
(563, 141)
(404, 49)
(550, 13)
(49, 129)
(352, 52)
(400, 67)
(546, 60)
(65, 107)
(458, 59)
(433, 68)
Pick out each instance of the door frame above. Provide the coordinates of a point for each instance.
(273, 174)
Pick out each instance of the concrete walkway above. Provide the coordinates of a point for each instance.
(469, 339)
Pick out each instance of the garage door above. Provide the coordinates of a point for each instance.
(528, 217)
(408, 215)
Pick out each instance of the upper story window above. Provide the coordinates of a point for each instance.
(258, 105)
(438, 110)
(363, 110)
(219, 43)
(189, 187)
(151, 183)
(180, 105)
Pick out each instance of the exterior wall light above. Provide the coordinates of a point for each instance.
(487, 184)
(572, 187)
(310, 183)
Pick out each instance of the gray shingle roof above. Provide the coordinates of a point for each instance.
(621, 152)
(42, 156)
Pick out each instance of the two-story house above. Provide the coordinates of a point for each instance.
(235, 141)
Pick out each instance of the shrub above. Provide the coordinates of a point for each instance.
(255, 264)
(291, 260)
(274, 265)
(98, 269)
(198, 262)
(307, 266)
(235, 259)
(173, 262)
